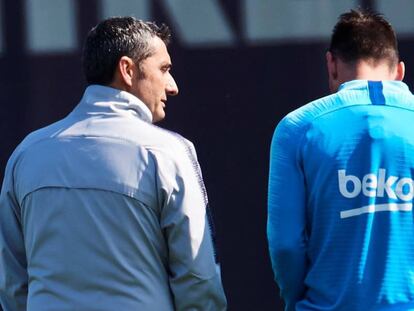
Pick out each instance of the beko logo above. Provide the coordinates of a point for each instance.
(376, 185)
(373, 185)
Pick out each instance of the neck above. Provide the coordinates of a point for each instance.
(340, 72)
(364, 70)
(118, 85)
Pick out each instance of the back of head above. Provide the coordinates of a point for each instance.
(113, 38)
(364, 35)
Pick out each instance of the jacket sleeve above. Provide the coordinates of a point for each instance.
(286, 214)
(13, 273)
(195, 278)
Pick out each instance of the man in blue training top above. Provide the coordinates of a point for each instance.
(340, 222)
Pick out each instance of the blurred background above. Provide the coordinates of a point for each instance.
(241, 65)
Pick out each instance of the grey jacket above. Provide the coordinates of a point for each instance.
(105, 211)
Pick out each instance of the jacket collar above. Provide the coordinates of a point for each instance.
(363, 85)
(107, 100)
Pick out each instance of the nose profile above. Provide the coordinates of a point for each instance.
(171, 88)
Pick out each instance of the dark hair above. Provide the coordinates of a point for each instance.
(113, 38)
(364, 35)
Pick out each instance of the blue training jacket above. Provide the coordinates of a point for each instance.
(340, 222)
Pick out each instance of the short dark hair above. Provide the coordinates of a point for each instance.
(364, 35)
(113, 38)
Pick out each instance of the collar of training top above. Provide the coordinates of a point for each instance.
(364, 85)
(110, 99)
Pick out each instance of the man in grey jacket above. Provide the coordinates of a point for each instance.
(104, 210)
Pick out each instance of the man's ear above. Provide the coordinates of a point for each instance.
(333, 73)
(127, 70)
(331, 66)
(400, 71)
